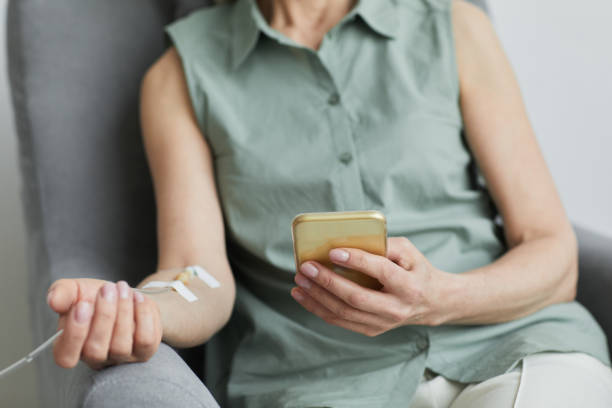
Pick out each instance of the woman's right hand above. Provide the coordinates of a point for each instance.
(104, 323)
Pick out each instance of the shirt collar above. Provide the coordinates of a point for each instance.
(247, 24)
(245, 30)
(380, 16)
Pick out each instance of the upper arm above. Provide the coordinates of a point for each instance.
(189, 218)
(499, 133)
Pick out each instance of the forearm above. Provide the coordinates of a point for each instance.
(532, 275)
(187, 324)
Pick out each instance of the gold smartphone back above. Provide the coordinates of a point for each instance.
(315, 234)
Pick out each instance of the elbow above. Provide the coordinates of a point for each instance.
(570, 278)
(571, 291)
(217, 320)
(228, 307)
(224, 307)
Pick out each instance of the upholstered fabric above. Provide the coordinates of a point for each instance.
(184, 7)
(164, 381)
(75, 71)
(595, 279)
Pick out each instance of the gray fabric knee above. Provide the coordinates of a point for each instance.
(163, 381)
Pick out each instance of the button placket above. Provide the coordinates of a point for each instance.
(348, 178)
(349, 173)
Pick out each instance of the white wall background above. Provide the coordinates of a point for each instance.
(562, 53)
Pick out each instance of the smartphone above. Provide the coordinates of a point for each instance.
(315, 234)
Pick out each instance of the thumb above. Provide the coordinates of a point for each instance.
(62, 295)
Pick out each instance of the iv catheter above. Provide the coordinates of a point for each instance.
(150, 288)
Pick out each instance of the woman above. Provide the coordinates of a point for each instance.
(265, 109)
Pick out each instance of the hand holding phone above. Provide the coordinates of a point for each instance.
(315, 234)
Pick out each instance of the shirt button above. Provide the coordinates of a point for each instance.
(422, 344)
(334, 99)
(346, 157)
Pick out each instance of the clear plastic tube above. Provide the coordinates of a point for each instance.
(38, 350)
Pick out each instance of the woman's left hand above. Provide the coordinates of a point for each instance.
(411, 294)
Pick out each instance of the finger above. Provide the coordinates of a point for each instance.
(376, 266)
(62, 295)
(158, 326)
(146, 333)
(95, 349)
(61, 322)
(67, 349)
(361, 298)
(338, 306)
(403, 252)
(120, 349)
(314, 307)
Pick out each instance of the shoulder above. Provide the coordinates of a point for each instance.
(205, 20)
(205, 32)
(165, 79)
(469, 20)
(165, 68)
(480, 55)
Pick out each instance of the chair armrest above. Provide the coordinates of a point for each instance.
(595, 278)
(165, 381)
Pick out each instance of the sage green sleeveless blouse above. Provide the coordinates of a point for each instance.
(370, 121)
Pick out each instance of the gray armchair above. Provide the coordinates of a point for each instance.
(75, 69)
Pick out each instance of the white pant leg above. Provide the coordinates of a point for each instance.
(565, 380)
(559, 380)
(436, 391)
(496, 392)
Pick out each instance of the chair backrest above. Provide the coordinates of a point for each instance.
(75, 69)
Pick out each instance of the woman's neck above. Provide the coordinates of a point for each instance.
(304, 21)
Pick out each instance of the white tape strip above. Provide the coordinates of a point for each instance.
(183, 291)
(205, 276)
(176, 285)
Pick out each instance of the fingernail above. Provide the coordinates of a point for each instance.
(297, 295)
(309, 270)
(303, 282)
(83, 312)
(109, 292)
(138, 296)
(338, 255)
(124, 289)
(49, 296)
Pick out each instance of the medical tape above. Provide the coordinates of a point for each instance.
(178, 286)
(206, 277)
